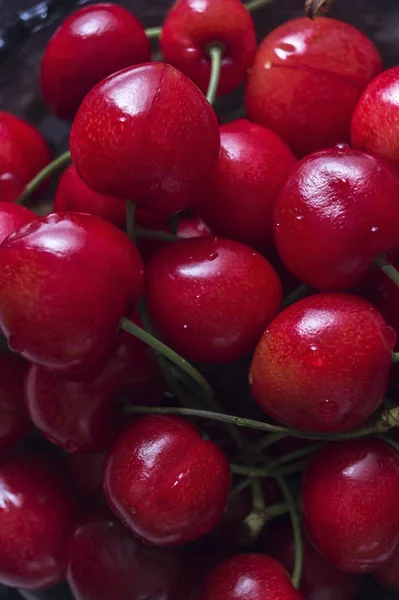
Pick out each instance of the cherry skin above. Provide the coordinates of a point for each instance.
(350, 494)
(37, 515)
(12, 218)
(253, 164)
(107, 36)
(14, 420)
(66, 280)
(191, 28)
(335, 215)
(323, 364)
(154, 159)
(388, 574)
(306, 80)
(167, 485)
(210, 298)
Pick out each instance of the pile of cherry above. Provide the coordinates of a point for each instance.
(126, 428)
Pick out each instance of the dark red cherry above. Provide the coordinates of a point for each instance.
(65, 281)
(323, 364)
(14, 420)
(13, 217)
(350, 494)
(336, 214)
(253, 164)
(37, 515)
(152, 120)
(388, 574)
(11, 186)
(90, 44)
(306, 80)
(86, 471)
(211, 298)
(164, 482)
(191, 28)
(252, 577)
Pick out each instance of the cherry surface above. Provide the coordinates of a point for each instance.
(90, 44)
(253, 164)
(14, 421)
(306, 80)
(13, 217)
(44, 314)
(336, 214)
(350, 494)
(388, 574)
(191, 28)
(211, 298)
(164, 482)
(154, 159)
(323, 364)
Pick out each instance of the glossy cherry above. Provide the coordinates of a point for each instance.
(90, 44)
(191, 28)
(211, 298)
(14, 420)
(253, 164)
(37, 515)
(336, 214)
(154, 159)
(167, 484)
(66, 280)
(350, 494)
(12, 218)
(323, 364)
(306, 80)
(252, 576)
(388, 574)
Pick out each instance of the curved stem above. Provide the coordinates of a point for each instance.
(387, 268)
(268, 441)
(44, 174)
(131, 220)
(153, 32)
(296, 527)
(153, 234)
(290, 456)
(241, 486)
(299, 293)
(269, 470)
(254, 4)
(215, 53)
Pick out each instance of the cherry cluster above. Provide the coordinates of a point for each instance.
(191, 270)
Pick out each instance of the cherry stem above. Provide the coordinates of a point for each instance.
(389, 418)
(296, 528)
(131, 220)
(154, 234)
(389, 270)
(254, 4)
(290, 456)
(215, 52)
(268, 470)
(269, 440)
(44, 174)
(153, 32)
(395, 357)
(299, 293)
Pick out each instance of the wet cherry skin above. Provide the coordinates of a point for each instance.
(13, 217)
(253, 164)
(14, 420)
(336, 214)
(211, 298)
(190, 28)
(164, 482)
(44, 314)
(109, 38)
(388, 574)
(350, 494)
(154, 160)
(323, 364)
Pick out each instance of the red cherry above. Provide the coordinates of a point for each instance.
(152, 120)
(37, 515)
(252, 576)
(350, 495)
(65, 281)
(86, 471)
(14, 421)
(11, 186)
(306, 80)
(253, 164)
(323, 364)
(210, 298)
(388, 574)
(166, 484)
(191, 28)
(337, 212)
(12, 218)
(90, 44)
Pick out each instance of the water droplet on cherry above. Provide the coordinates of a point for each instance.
(342, 147)
(197, 298)
(213, 256)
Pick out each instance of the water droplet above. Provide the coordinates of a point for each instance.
(314, 356)
(342, 147)
(390, 335)
(197, 298)
(71, 446)
(122, 119)
(53, 219)
(328, 410)
(212, 256)
(185, 326)
(15, 345)
(299, 217)
(267, 65)
(374, 229)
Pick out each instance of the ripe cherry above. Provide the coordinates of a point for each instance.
(91, 44)
(166, 484)
(323, 364)
(14, 420)
(191, 28)
(306, 80)
(210, 298)
(12, 218)
(350, 495)
(388, 574)
(154, 159)
(66, 280)
(336, 214)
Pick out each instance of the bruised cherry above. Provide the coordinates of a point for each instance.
(14, 420)
(13, 217)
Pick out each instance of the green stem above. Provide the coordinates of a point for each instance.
(299, 293)
(153, 32)
(389, 270)
(395, 357)
(290, 456)
(153, 234)
(268, 441)
(296, 527)
(215, 52)
(131, 220)
(254, 4)
(267, 471)
(241, 486)
(44, 174)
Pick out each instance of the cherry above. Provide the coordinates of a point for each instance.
(253, 164)
(350, 494)
(336, 214)
(252, 576)
(90, 44)
(210, 298)
(166, 484)
(152, 120)
(65, 281)
(306, 80)
(37, 515)
(190, 29)
(388, 574)
(86, 471)
(323, 364)
(11, 186)
(12, 218)
(14, 421)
